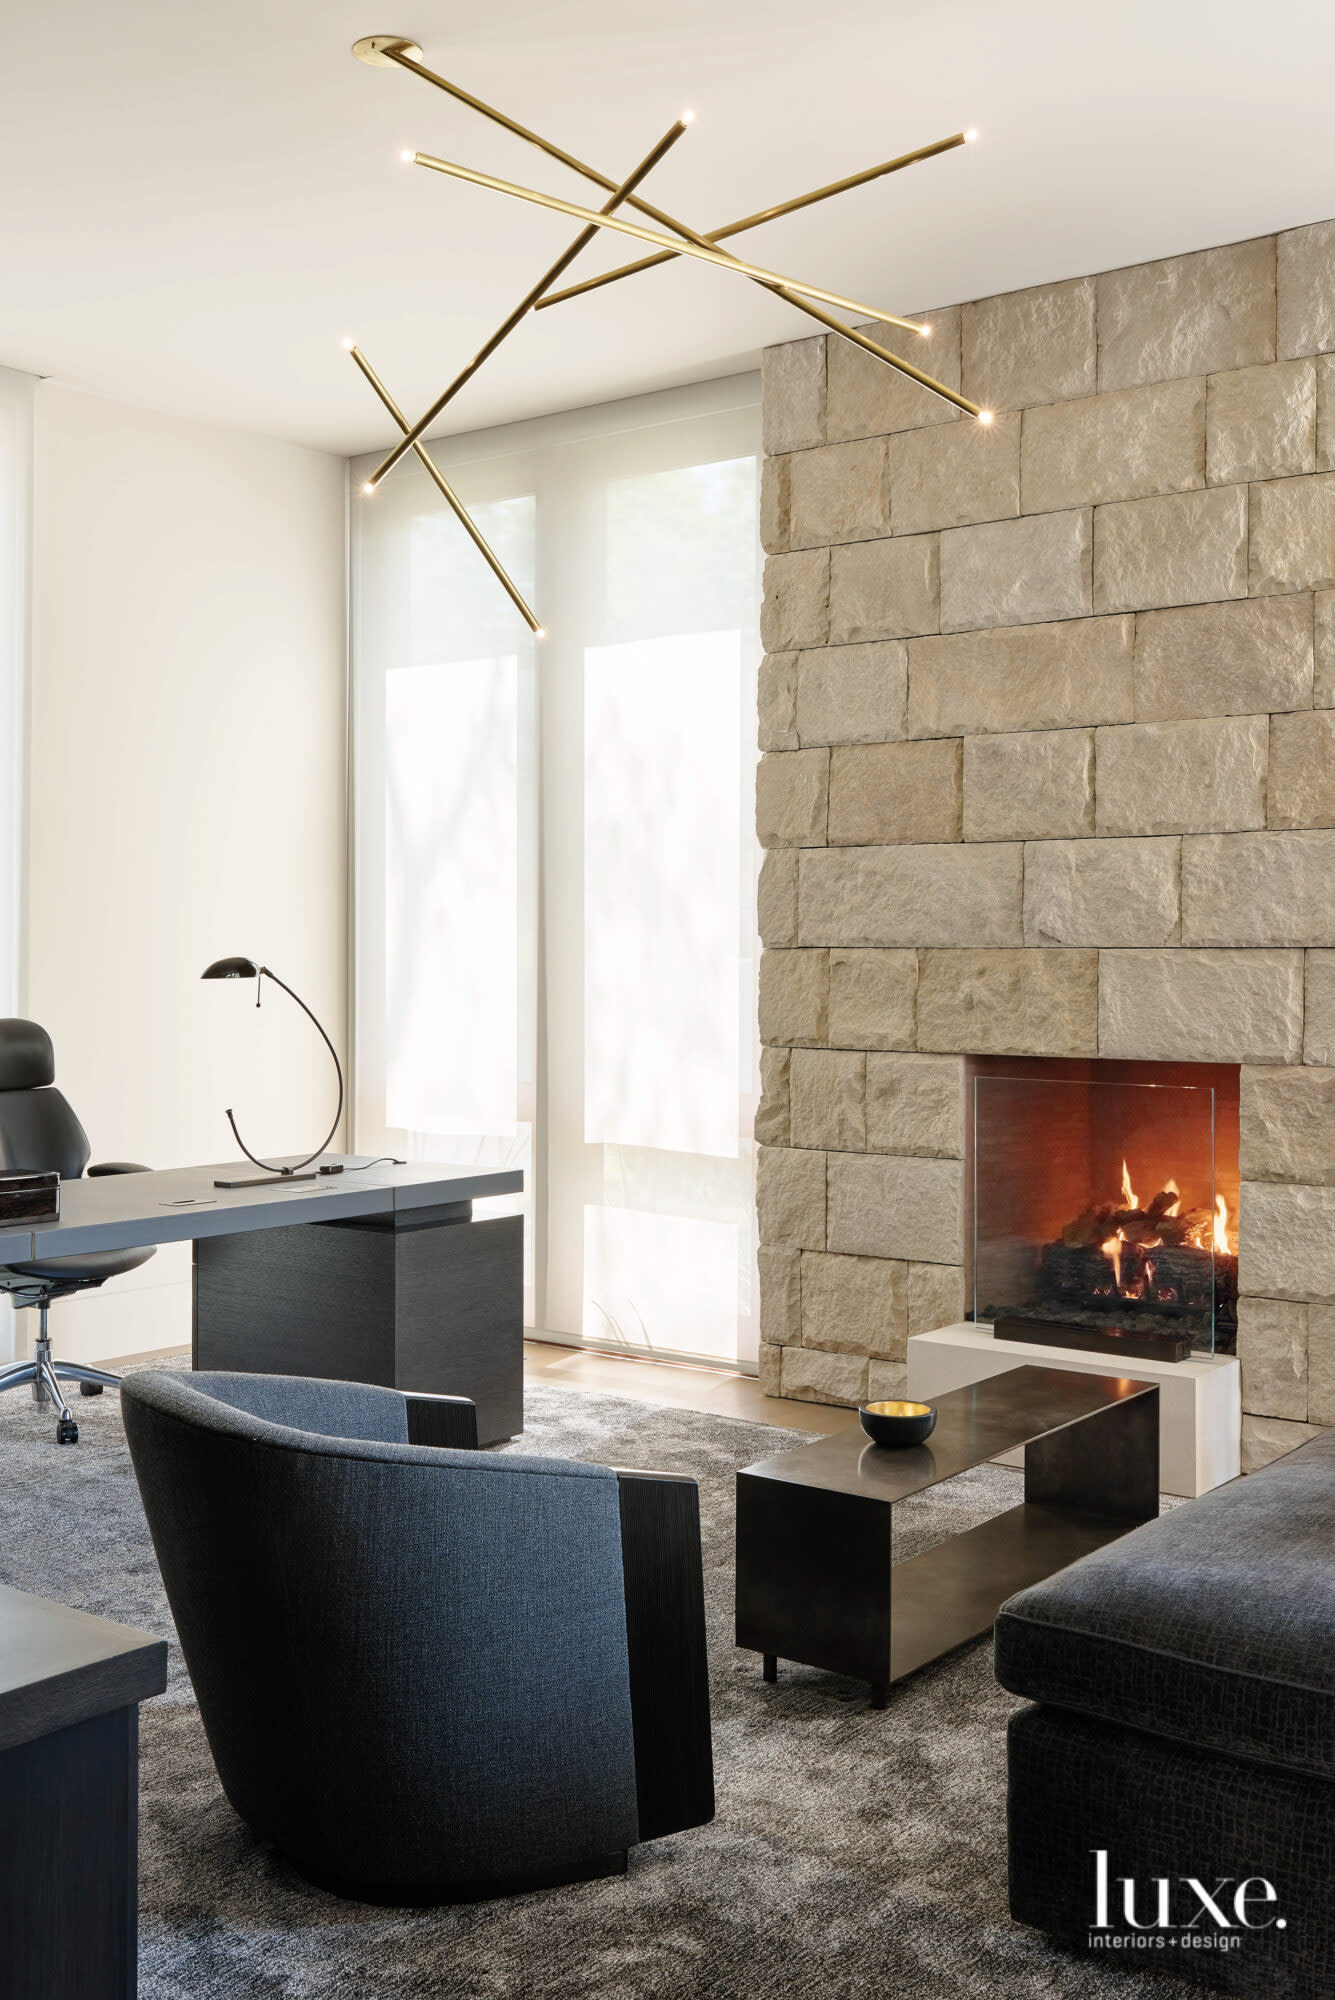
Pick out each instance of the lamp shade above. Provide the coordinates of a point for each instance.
(231, 968)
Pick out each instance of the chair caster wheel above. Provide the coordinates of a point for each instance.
(67, 1431)
(90, 1388)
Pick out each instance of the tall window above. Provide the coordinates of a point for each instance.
(555, 860)
(16, 401)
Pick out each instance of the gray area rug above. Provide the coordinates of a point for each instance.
(854, 1853)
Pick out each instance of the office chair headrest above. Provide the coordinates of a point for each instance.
(27, 1059)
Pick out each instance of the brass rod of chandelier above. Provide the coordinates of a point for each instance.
(763, 215)
(706, 252)
(658, 215)
(411, 432)
(461, 513)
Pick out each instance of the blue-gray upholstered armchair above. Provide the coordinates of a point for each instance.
(426, 1673)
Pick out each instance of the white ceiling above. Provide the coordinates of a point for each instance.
(201, 200)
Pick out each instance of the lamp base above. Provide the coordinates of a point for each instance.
(265, 1180)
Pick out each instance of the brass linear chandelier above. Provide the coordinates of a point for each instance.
(671, 238)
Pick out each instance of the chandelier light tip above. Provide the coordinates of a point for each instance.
(407, 156)
(368, 488)
(971, 135)
(540, 632)
(349, 344)
(986, 416)
(688, 118)
(925, 328)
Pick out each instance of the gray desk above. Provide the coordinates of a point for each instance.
(70, 1688)
(378, 1276)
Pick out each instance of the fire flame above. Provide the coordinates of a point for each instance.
(1128, 1192)
(1170, 1186)
(1221, 1243)
(1113, 1248)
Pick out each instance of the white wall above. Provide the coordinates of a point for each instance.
(186, 800)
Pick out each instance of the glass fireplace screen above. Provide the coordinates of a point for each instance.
(1095, 1207)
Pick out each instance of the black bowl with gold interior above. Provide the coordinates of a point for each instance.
(898, 1423)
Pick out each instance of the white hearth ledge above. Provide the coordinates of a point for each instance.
(1200, 1400)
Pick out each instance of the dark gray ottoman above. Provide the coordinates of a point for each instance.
(1185, 1677)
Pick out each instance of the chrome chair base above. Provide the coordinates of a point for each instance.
(46, 1375)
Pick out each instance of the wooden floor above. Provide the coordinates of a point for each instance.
(723, 1391)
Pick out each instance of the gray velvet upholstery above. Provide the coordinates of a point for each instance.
(1186, 1682)
(1214, 1625)
(411, 1663)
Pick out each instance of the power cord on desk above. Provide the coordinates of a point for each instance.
(384, 1160)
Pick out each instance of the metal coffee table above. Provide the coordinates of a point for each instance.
(814, 1577)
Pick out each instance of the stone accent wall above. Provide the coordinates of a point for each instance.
(1048, 722)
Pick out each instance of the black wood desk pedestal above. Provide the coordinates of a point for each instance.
(70, 1686)
(425, 1299)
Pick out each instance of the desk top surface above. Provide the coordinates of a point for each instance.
(60, 1666)
(129, 1211)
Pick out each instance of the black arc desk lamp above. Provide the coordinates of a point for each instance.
(246, 968)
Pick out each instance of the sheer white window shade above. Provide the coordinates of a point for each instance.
(16, 407)
(600, 1031)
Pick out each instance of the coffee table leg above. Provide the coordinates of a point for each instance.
(771, 1666)
(880, 1694)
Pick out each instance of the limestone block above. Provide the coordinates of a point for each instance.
(1293, 534)
(954, 474)
(1119, 446)
(1187, 548)
(794, 997)
(855, 1305)
(1016, 572)
(1256, 888)
(795, 611)
(1301, 789)
(1319, 1010)
(1272, 1353)
(780, 1295)
(1320, 1364)
(810, 1376)
(773, 1124)
(936, 1297)
(885, 590)
(1035, 346)
(852, 694)
(1027, 1003)
(1260, 423)
(790, 1197)
(872, 999)
(792, 395)
(915, 1106)
(839, 494)
(868, 398)
(1325, 413)
(946, 895)
(792, 794)
(886, 1207)
(1106, 892)
(1201, 1006)
(768, 1361)
(776, 897)
(1264, 1439)
(828, 1093)
(1182, 777)
(1288, 1127)
(1021, 677)
(775, 504)
(1037, 785)
(776, 697)
(887, 1382)
(1250, 657)
(1286, 1241)
(889, 793)
(1306, 290)
(1193, 315)
(1323, 684)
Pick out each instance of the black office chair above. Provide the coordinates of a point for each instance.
(38, 1133)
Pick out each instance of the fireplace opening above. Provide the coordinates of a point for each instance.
(1105, 1203)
